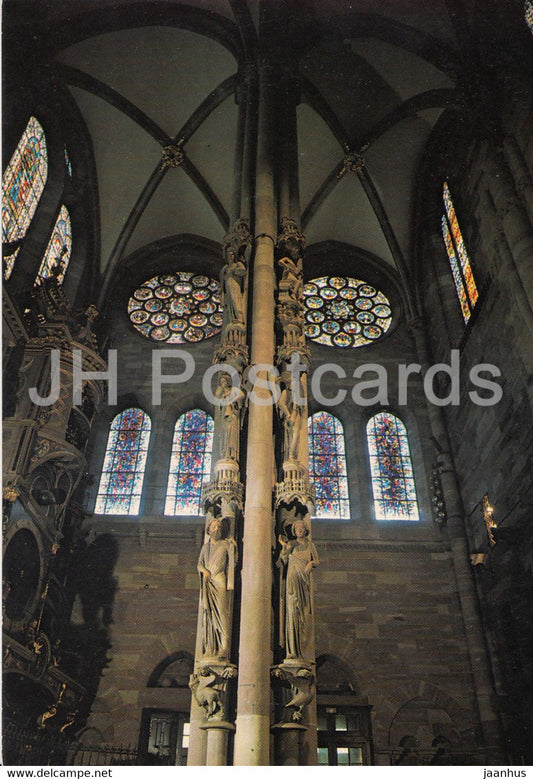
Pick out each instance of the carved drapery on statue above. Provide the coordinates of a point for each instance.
(217, 557)
(222, 498)
(295, 556)
(236, 248)
(298, 556)
(292, 411)
(231, 401)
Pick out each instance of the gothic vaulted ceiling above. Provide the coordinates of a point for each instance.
(375, 75)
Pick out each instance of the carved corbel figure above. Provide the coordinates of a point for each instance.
(209, 687)
(302, 681)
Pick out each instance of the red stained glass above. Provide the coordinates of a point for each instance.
(124, 464)
(459, 260)
(390, 467)
(327, 466)
(190, 463)
(23, 183)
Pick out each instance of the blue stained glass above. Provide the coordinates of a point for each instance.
(23, 183)
(57, 255)
(327, 466)
(190, 463)
(124, 464)
(335, 303)
(390, 467)
(68, 163)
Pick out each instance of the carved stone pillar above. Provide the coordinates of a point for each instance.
(252, 737)
(223, 505)
(296, 554)
(209, 686)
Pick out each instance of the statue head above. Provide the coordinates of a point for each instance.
(225, 380)
(215, 529)
(300, 529)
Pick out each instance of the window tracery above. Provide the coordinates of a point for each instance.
(177, 308)
(327, 466)
(391, 469)
(190, 463)
(122, 476)
(342, 311)
(23, 183)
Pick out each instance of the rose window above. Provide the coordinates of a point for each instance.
(177, 308)
(341, 311)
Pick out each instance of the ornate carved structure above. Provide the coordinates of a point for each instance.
(217, 560)
(44, 465)
(209, 685)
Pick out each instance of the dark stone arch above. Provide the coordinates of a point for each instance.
(173, 671)
(334, 676)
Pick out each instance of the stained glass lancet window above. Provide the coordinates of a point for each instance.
(57, 255)
(327, 466)
(458, 258)
(393, 482)
(122, 476)
(190, 463)
(528, 14)
(23, 184)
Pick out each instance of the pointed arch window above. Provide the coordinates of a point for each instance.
(190, 463)
(122, 476)
(391, 469)
(458, 258)
(23, 183)
(327, 466)
(57, 255)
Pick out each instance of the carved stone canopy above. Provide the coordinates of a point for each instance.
(238, 241)
(290, 240)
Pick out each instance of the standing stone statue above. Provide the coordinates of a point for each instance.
(291, 281)
(216, 556)
(230, 413)
(300, 557)
(292, 416)
(232, 279)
